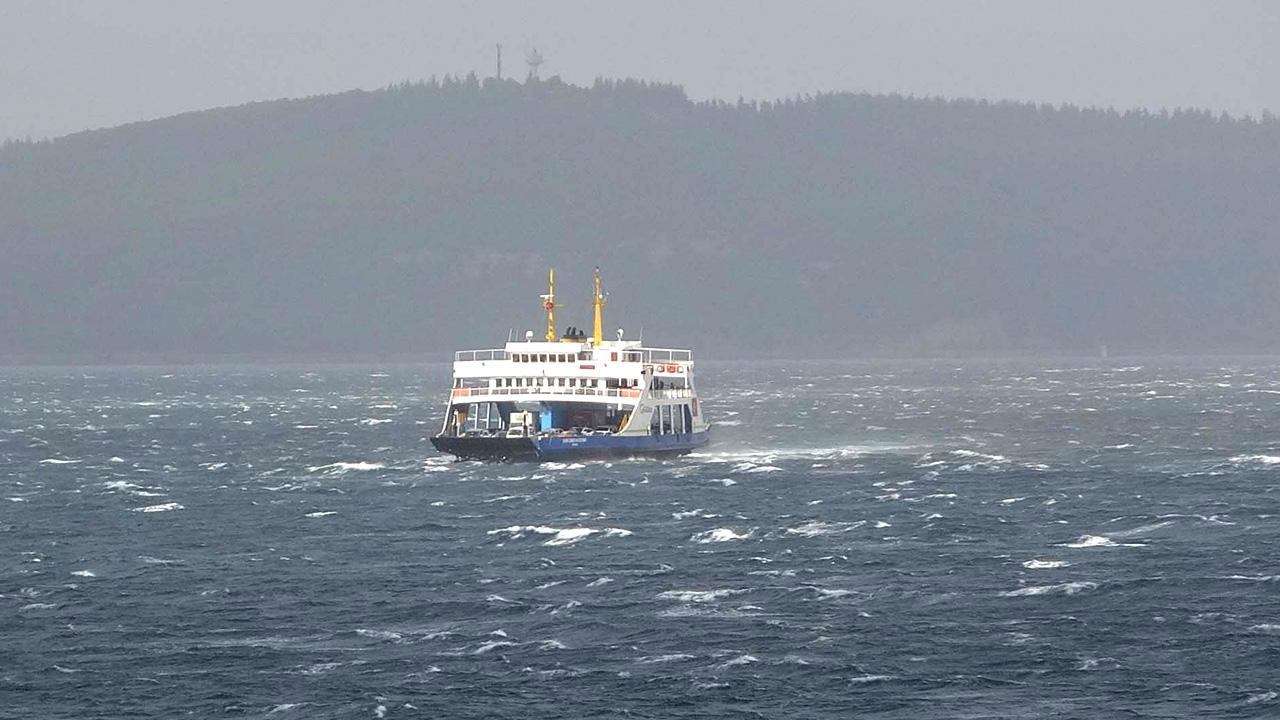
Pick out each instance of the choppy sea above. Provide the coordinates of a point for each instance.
(1030, 539)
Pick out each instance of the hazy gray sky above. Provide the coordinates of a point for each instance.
(71, 65)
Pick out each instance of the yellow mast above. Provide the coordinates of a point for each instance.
(597, 302)
(549, 304)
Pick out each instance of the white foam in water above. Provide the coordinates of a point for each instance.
(83, 573)
(740, 660)
(979, 456)
(698, 596)
(58, 461)
(1255, 460)
(157, 561)
(491, 645)
(1045, 564)
(673, 657)
(1098, 541)
(163, 507)
(562, 536)
(342, 467)
(814, 528)
(128, 487)
(1070, 588)
(380, 635)
(863, 679)
(321, 513)
(718, 535)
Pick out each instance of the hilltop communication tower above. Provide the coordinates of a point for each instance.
(534, 60)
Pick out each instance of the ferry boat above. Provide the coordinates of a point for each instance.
(572, 396)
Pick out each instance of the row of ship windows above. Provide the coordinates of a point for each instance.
(551, 382)
(570, 357)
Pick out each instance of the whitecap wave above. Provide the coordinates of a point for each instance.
(1259, 459)
(814, 528)
(1045, 564)
(1070, 588)
(699, 596)
(719, 535)
(561, 536)
(339, 468)
(386, 635)
(743, 659)
(673, 657)
(863, 679)
(162, 507)
(1098, 541)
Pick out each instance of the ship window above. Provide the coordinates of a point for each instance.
(584, 356)
(595, 382)
(526, 357)
(560, 382)
(519, 383)
(515, 358)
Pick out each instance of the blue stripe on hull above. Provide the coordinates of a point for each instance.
(591, 446)
(568, 448)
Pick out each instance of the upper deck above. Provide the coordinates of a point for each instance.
(571, 359)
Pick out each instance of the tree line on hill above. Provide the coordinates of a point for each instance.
(421, 218)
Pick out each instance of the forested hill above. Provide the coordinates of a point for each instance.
(418, 219)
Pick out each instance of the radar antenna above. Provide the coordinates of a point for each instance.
(534, 60)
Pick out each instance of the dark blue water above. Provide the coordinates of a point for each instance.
(882, 540)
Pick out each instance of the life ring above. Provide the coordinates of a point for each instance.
(672, 368)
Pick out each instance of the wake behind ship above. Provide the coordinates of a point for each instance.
(573, 397)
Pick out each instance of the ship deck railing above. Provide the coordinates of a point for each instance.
(556, 391)
(474, 355)
(671, 393)
(645, 355)
(657, 355)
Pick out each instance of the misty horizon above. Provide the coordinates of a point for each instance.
(77, 67)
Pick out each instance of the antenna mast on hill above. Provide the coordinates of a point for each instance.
(533, 60)
(499, 45)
